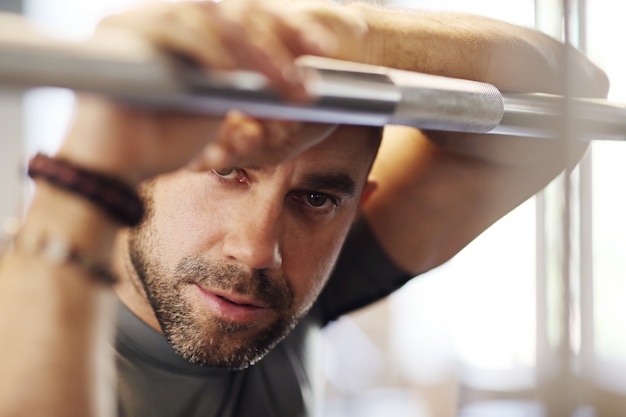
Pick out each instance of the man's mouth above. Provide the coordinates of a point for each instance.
(232, 307)
(239, 301)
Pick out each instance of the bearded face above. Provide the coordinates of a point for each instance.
(267, 316)
(228, 261)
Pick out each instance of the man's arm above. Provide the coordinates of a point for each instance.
(53, 312)
(437, 191)
(54, 315)
(474, 47)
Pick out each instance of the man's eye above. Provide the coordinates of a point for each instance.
(316, 203)
(234, 174)
(317, 200)
(226, 173)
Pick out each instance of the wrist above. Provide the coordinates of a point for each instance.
(62, 229)
(59, 212)
(98, 140)
(110, 195)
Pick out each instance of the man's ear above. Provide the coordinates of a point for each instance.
(369, 188)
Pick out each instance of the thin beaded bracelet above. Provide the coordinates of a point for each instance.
(116, 198)
(58, 251)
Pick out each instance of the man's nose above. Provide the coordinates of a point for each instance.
(253, 235)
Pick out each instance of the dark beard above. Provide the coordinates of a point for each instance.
(209, 340)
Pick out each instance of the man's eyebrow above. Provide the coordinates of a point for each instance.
(339, 182)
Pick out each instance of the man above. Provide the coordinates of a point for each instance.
(246, 218)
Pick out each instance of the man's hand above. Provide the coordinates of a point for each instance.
(265, 37)
(245, 141)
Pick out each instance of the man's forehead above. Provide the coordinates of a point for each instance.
(340, 162)
(348, 138)
(340, 181)
(344, 158)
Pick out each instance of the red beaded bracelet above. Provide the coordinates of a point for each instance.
(116, 198)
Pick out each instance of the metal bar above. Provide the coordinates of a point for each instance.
(542, 114)
(343, 92)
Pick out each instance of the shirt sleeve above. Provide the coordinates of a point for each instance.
(363, 274)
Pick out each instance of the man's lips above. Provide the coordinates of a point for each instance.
(233, 307)
(238, 299)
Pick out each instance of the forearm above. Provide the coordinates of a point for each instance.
(53, 317)
(476, 48)
(439, 190)
(430, 203)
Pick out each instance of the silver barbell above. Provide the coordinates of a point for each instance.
(344, 92)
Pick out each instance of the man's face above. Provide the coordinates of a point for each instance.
(230, 260)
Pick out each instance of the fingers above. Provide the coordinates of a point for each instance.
(262, 36)
(230, 35)
(244, 141)
(340, 33)
(238, 135)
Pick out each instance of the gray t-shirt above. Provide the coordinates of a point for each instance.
(153, 381)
